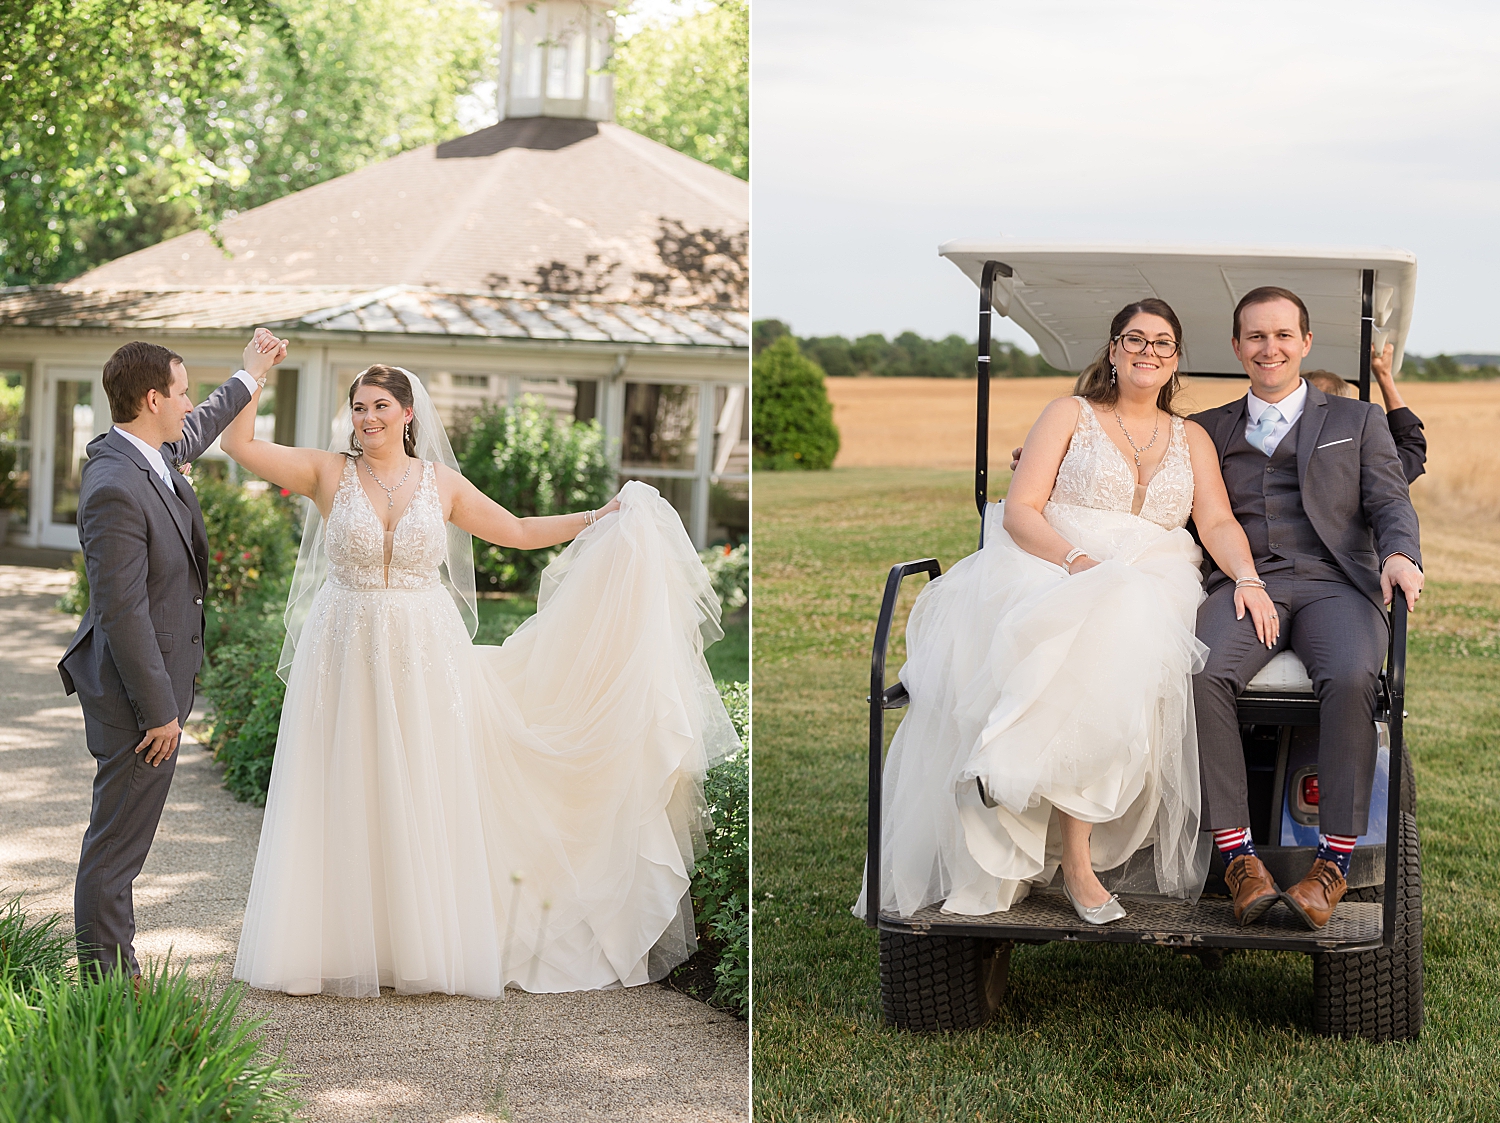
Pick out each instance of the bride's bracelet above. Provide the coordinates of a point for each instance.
(1073, 555)
(1243, 581)
(590, 518)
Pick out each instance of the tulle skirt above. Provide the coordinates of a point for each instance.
(1058, 692)
(459, 818)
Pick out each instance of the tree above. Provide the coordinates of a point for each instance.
(686, 84)
(766, 332)
(792, 419)
(123, 124)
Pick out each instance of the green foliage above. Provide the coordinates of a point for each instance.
(1449, 368)
(239, 680)
(95, 1053)
(499, 618)
(531, 462)
(12, 401)
(792, 423)
(686, 84)
(130, 123)
(721, 896)
(764, 333)
(729, 570)
(32, 951)
(252, 542)
(909, 355)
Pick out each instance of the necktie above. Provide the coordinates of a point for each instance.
(1261, 433)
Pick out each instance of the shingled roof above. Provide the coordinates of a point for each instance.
(580, 210)
(394, 309)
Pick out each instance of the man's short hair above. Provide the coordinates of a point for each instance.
(1329, 383)
(131, 371)
(1264, 295)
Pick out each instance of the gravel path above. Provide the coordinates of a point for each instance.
(646, 1053)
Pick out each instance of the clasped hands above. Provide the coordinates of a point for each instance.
(262, 353)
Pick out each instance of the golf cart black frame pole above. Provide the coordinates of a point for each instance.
(1366, 329)
(982, 372)
(880, 701)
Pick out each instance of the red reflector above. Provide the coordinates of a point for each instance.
(1310, 790)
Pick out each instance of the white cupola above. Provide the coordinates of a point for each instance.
(552, 53)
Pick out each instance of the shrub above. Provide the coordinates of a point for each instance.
(531, 462)
(721, 885)
(792, 420)
(94, 1052)
(240, 681)
(729, 570)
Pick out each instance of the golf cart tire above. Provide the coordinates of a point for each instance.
(932, 984)
(1377, 994)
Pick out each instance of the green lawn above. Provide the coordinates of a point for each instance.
(1091, 1032)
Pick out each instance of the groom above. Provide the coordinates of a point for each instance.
(140, 644)
(1317, 485)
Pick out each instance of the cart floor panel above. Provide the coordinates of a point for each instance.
(1047, 915)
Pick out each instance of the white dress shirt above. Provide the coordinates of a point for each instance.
(153, 455)
(1290, 408)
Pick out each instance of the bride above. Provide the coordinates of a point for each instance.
(459, 818)
(1051, 717)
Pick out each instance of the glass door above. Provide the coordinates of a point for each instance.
(74, 411)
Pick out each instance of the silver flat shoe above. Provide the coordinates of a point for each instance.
(1111, 910)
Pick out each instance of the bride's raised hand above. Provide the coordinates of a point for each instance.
(1255, 600)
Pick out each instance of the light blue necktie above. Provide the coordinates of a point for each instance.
(1262, 431)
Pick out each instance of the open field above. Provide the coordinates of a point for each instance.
(929, 423)
(1100, 1032)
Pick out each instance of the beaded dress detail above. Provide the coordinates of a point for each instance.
(446, 816)
(1057, 692)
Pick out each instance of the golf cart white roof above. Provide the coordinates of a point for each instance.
(1064, 295)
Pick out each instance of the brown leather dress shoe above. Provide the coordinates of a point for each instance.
(1315, 897)
(1253, 888)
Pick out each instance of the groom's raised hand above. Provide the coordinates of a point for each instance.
(162, 741)
(262, 353)
(1401, 572)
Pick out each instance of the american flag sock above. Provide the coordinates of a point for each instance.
(1338, 849)
(1234, 842)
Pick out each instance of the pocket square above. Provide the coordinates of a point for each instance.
(1330, 444)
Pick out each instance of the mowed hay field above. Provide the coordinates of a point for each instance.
(929, 423)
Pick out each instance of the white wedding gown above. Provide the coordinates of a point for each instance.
(451, 817)
(1057, 691)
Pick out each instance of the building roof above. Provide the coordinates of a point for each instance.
(537, 206)
(393, 309)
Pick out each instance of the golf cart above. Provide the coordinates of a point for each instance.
(945, 971)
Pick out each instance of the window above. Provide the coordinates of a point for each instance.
(661, 427)
(15, 447)
(471, 381)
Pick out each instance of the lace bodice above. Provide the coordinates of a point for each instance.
(1096, 474)
(356, 538)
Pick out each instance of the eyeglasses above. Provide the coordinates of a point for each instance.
(1137, 344)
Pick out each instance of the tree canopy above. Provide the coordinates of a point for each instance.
(123, 124)
(686, 84)
(792, 418)
(909, 355)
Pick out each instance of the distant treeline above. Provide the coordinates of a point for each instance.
(1450, 368)
(909, 355)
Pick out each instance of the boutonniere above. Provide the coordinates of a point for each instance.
(185, 468)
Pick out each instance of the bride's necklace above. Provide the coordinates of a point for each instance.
(1135, 447)
(390, 492)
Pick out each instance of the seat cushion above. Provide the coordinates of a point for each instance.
(1284, 674)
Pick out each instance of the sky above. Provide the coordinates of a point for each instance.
(880, 129)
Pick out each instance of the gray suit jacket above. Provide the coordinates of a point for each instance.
(1353, 488)
(138, 648)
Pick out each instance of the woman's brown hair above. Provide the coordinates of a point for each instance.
(1096, 382)
(394, 382)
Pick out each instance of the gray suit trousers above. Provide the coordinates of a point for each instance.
(129, 795)
(1342, 638)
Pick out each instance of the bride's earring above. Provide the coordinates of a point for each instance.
(1113, 374)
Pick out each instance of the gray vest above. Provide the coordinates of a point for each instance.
(1267, 499)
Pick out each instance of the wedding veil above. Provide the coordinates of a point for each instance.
(312, 558)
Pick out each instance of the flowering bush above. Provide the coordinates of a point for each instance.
(729, 570)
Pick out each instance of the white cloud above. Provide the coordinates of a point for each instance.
(881, 129)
